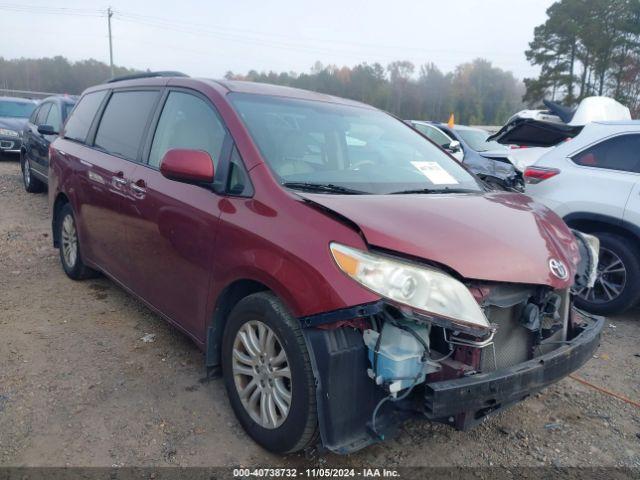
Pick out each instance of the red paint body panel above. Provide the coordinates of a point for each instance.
(178, 246)
(502, 237)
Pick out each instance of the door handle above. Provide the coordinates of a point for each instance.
(138, 188)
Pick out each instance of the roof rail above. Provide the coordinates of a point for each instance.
(135, 76)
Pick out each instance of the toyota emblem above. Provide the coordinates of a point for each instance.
(558, 269)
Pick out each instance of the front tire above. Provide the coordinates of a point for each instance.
(31, 184)
(268, 375)
(617, 287)
(70, 256)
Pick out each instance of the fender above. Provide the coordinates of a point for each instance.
(577, 217)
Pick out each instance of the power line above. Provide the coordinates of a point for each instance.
(47, 10)
(236, 35)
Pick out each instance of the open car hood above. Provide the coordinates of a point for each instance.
(528, 132)
(546, 128)
(502, 237)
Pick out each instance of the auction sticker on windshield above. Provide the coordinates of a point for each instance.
(435, 173)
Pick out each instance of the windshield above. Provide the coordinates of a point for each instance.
(346, 149)
(16, 109)
(477, 140)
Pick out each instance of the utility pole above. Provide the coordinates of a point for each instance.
(109, 15)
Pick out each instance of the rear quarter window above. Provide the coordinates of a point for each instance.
(79, 123)
(618, 153)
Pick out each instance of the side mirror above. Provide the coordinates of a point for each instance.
(454, 146)
(189, 166)
(46, 130)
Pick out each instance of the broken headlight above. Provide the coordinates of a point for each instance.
(419, 287)
(587, 271)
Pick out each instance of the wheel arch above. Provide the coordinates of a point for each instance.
(225, 302)
(594, 223)
(60, 201)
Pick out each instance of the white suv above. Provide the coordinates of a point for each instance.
(593, 183)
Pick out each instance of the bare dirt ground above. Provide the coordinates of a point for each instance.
(78, 386)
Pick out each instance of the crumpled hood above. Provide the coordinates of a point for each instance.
(11, 123)
(502, 237)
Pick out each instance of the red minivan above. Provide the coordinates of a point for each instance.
(340, 270)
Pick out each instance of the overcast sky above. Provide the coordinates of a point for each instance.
(208, 38)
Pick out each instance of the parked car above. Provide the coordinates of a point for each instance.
(489, 160)
(593, 183)
(14, 113)
(38, 133)
(432, 132)
(339, 269)
(534, 132)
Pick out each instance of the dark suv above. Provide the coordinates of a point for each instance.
(38, 133)
(339, 269)
(14, 113)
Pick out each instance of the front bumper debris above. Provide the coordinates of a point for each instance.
(347, 397)
(465, 401)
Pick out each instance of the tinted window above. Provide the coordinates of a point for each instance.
(42, 114)
(123, 123)
(619, 153)
(187, 121)
(434, 134)
(238, 183)
(77, 127)
(66, 110)
(34, 115)
(53, 118)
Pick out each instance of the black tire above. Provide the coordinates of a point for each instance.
(300, 427)
(31, 184)
(630, 294)
(74, 267)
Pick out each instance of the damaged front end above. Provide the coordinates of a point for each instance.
(379, 364)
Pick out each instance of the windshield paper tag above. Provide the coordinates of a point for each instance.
(435, 173)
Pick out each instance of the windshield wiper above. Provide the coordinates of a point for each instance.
(435, 190)
(323, 187)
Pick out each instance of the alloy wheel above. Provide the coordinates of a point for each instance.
(610, 280)
(26, 173)
(69, 241)
(262, 374)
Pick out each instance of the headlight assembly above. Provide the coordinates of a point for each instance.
(421, 288)
(9, 133)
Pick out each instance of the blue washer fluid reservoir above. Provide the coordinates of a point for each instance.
(400, 356)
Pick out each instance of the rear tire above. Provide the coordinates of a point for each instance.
(249, 370)
(616, 253)
(70, 257)
(31, 184)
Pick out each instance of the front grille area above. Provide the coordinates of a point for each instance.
(513, 343)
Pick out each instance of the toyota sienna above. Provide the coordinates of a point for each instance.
(340, 270)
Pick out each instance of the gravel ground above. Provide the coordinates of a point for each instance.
(78, 386)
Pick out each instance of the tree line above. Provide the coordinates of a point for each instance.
(587, 47)
(476, 92)
(584, 48)
(56, 74)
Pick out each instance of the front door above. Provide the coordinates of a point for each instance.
(171, 225)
